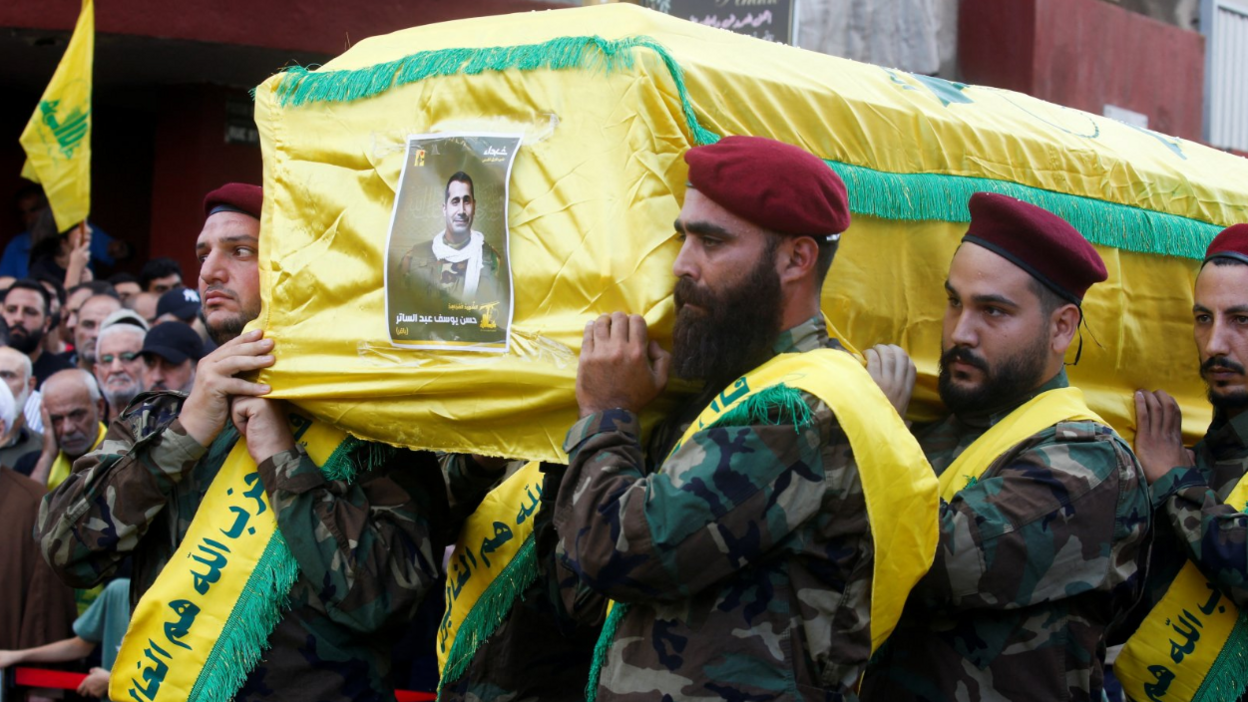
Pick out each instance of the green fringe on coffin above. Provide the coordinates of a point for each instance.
(299, 86)
(264, 598)
(603, 648)
(1228, 678)
(778, 404)
(943, 198)
(895, 196)
(490, 610)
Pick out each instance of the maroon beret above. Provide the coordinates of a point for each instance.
(1038, 241)
(771, 184)
(1231, 243)
(235, 197)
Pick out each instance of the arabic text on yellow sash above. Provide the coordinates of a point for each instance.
(177, 623)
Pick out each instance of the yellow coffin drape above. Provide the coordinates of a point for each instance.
(598, 181)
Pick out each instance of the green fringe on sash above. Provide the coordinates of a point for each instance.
(265, 597)
(943, 198)
(300, 86)
(1228, 677)
(778, 404)
(490, 610)
(603, 648)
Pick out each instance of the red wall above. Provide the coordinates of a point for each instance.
(1086, 54)
(192, 159)
(326, 26)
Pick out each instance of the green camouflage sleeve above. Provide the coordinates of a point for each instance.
(365, 546)
(1042, 526)
(726, 497)
(94, 519)
(1214, 533)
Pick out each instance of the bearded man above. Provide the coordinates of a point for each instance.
(19, 439)
(364, 550)
(1199, 563)
(741, 554)
(27, 312)
(119, 365)
(1044, 511)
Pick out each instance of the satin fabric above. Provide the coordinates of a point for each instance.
(598, 182)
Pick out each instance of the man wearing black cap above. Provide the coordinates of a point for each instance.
(183, 305)
(742, 554)
(1044, 510)
(170, 352)
(365, 548)
(1199, 562)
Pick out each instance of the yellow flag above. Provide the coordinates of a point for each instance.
(57, 139)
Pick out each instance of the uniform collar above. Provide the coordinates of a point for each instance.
(807, 336)
(1227, 434)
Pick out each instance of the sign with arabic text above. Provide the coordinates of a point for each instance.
(770, 20)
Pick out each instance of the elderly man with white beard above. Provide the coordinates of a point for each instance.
(19, 438)
(119, 365)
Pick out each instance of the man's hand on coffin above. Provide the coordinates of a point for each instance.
(206, 410)
(1159, 434)
(262, 422)
(620, 367)
(891, 368)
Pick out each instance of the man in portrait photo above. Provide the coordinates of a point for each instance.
(456, 265)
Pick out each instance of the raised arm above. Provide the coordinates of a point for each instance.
(371, 548)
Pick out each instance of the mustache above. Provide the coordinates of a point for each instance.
(1220, 363)
(73, 438)
(965, 355)
(687, 292)
(219, 288)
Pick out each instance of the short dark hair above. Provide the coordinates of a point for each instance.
(827, 252)
(1049, 300)
(56, 285)
(459, 177)
(158, 268)
(97, 287)
(31, 284)
(119, 278)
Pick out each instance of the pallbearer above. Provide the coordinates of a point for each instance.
(1193, 643)
(758, 555)
(1044, 510)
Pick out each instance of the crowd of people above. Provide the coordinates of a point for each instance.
(782, 535)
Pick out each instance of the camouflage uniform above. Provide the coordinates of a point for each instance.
(1194, 522)
(1190, 501)
(747, 568)
(433, 278)
(1036, 560)
(367, 550)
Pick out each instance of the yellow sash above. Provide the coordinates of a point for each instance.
(62, 467)
(492, 562)
(1036, 415)
(897, 481)
(1192, 645)
(182, 642)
